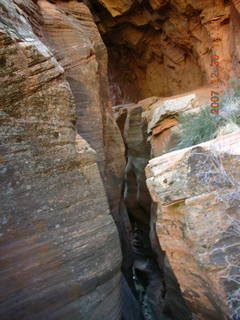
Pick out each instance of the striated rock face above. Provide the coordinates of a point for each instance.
(138, 203)
(72, 35)
(197, 193)
(59, 253)
(161, 292)
(150, 127)
(163, 47)
(195, 215)
(76, 43)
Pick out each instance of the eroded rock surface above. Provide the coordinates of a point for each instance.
(161, 115)
(150, 127)
(62, 160)
(197, 193)
(117, 7)
(159, 295)
(60, 252)
(69, 30)
(163, 47)
(134, 130)
(72, 35)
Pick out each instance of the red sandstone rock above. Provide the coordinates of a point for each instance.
(117, 7)
(60, 253)
(74, 38)
(173, 52)
(197, 192)
(70, 32)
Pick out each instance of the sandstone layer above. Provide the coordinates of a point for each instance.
(60, 252)
(161, 115)
(150, 126)
(134, 131)
(162, 294)
(197, 194)
(166, 47)
(69, 30)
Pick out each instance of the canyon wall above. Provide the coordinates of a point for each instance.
(194, 220)
(60, 250)
(162, 48)
(70, 32)
(162, 295)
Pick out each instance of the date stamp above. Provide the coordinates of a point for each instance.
(215, 74)
(215, 81)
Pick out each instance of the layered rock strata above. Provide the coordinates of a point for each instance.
(62, 162)
(161, 296)
(60, 252)
(197, 195)
(69, 30)
(150, 127)
(76, 43)
(161, 115)
(191, 189)
(166, 47)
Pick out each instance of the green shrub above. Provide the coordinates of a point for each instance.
(197, 128)
(235, 118)
(235, 86)
(204, 126)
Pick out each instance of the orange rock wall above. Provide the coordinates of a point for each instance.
(55, 222)
(163, 48)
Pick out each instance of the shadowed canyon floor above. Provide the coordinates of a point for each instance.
(99, 218)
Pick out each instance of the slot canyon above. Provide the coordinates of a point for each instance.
(102, 215)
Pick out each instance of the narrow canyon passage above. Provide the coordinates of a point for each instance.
(105, 214)
(148, 56)
(154, 284)
(163, 49)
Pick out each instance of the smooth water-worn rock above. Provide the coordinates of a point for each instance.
(134, 131)
(60, 252)
(72, 35)
(69, 30)
(198, 222)
(160, 295)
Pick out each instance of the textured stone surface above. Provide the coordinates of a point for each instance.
(169, 107)
(149, 128)
(60, 253)
(157, 4)
(138, 203)
(74, 38)
(117, 7)
(134, 130)
(162, 296)
(198, 222)
(161, 115)
(162, 48)
(72, 35)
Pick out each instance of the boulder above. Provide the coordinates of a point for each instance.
(197, 195)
